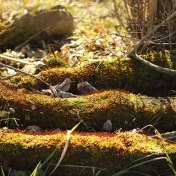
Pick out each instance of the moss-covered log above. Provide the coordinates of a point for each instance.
(104, 150)
(124, 73)
(125, 110)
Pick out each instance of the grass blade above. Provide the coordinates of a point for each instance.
(136, 165)
(87, 167)
(34, 173)
(103, 169)
(54, 151)
(64, 150)
(170, 163)
(47, 168)
(2, 171)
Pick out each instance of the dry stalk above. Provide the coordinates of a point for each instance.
(140, 17)
(151, 32)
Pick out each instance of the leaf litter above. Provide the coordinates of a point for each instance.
(92, 37)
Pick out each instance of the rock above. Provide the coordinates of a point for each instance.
(33, 129)
(85, 87)
(48, 23)
(107, 126)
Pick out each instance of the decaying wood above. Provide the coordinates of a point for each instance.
(99, 149)
(153, 66)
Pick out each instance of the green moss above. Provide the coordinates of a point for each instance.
(4, 114)
(77, 103)
(55, 61)
(161, 58)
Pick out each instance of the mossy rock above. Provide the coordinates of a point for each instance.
(123, 109)
(113, 151)
(55, 22)
(124, 73)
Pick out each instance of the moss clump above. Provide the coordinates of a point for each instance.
(104, 150)
(161, 58)
(55, 62)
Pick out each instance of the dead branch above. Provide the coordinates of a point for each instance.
(14, 59)
(24, 73)
(28, 40)
(149, 64)
(153, 66)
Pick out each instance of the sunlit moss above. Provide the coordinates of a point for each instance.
(96, 149)
(161, 58)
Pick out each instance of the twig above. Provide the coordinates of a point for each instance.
(117, 14)
(109, 34)
(160, 39)
(153, 66)
(80, 119)
(24, 73)
(150, 33)
(162, 43)
(22, 44)
(15, 119)
(16, 60)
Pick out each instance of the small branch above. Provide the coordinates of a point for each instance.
(153, 66)
(81, 120)
(165, 37)
(24, 73)
(117, 14)
(28, 40)
(15, 119)
(16, 60)
(162, 43)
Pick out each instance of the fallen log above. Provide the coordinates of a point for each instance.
(123, 109)
(122, 73)
(111, 151)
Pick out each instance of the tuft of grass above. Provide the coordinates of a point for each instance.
(96, 171)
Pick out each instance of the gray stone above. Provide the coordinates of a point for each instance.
(107, 126)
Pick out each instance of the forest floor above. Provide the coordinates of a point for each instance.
(95, 37)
